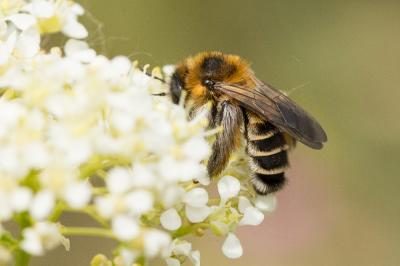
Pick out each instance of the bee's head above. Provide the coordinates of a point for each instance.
(198, 75)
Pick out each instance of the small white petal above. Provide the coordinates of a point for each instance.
(266, 203)
(21, 199)
(172, 195)
(228, 187)
(197, 214)
(252, 216)
(139, 201)
(121, 65)
(3, 29)
(105, 206)
(78, 194)
(79, 50)
(204, 179)
(128, 255)
(5, 207)
(172, 262)
(142, 176)
(31, 242)
(155, 241)
(125, 228)
(41, 9)
(22, 21)
(7, 47)
(36, 155)
(41, 237)
(42, 204)
(28, 43)
(74, 29)
(198, 144)
(232, 247)
(169, 70)
(244, 203)
(197, 197)
(119, 180)
(181, 247)
(77, 9)
(170, 219)
(195, 257)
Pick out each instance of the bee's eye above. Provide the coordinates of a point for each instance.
(209, 83)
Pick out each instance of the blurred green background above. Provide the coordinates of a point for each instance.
(341, 61)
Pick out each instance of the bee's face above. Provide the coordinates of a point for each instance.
(197, 75)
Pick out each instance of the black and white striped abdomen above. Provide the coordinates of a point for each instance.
(267, 149)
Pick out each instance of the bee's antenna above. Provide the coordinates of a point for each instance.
(159, 94)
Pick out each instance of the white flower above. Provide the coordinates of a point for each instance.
(41, 9)
(139, 201)
(195, 257)
(232, 247)
(196, 148)
(142, 176)
(119, 180)
(266, 203)
(196, 208)
(22, 21)
(172, 195)
(155, 241)
(72, 27)
(125, 228)
(251, 215)
(128, 255)
(172, 262)
(42, 204)
(228, 187)
(170, 219)
(197, 197)
(181, 247)
(78, 194)
(197, 214)
(79, 50)
(21, 198)
(43, 236)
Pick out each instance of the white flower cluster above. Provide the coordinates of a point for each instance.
(81, 132)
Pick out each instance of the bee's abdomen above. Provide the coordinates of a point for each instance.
(267, 149)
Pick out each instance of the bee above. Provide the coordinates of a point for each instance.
(242, 105)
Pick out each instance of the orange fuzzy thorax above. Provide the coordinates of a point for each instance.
(233, 69)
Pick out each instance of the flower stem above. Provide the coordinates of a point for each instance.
(21, 258)
(87, 231)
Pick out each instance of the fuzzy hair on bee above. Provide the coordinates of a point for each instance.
(242, 105)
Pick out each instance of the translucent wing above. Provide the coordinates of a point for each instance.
(278, 109)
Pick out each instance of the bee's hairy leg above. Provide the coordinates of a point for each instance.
(230, 118)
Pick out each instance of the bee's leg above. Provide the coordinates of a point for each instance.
(230, 118)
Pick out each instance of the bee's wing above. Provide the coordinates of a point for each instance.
(278, 109)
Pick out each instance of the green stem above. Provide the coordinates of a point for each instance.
(21, 258)
(57, 212)
(87, 231)
(189, 229)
